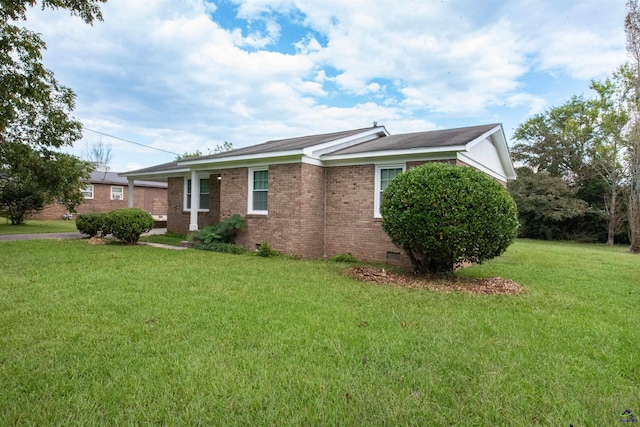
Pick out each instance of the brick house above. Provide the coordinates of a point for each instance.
(317, 196)
(106, 191)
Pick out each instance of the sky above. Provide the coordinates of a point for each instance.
(186, 75)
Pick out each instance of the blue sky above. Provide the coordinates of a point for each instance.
(181, 75)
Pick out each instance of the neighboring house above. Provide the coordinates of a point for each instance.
(106, 191)
(317, 196)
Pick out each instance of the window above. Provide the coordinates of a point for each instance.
(117, 193)
(384, 175)
(87, 191)
(203, 202)
(258, 191)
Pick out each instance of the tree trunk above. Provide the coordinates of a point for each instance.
(612, 210)
(634, 221)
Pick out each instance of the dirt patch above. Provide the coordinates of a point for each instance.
(95, 240)
(488, 286)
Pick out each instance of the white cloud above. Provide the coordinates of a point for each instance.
(163, 72)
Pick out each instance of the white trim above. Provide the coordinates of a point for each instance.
(115, 196)
(376, 194)
(346, 142)
(130, 186)
(390, 153)
(391, 159)
(250, 209)
(86, 190)
(481, 167)
(201, 176)
(242, 158)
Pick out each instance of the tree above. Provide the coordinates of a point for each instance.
(632, 30)
(30, 179)
(99, 155)
(187, 155)
(221, 148)
(608, 149)
(443, 215)
(575, 143)
(35, 115)
(559, 141)
(548, 208)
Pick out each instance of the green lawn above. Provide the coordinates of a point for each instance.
(33, 227)
(136, 335)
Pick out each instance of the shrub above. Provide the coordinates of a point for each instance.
(223, 232)
(266, 251)
(93, 224)
(348, 257)
(228, 248)
(443, 215)
(127, 224)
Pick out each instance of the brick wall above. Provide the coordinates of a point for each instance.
(143, 197)
(350, 224)
(313, 211)
(178, 219)
(294, 223)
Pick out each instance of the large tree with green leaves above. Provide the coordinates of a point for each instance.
(632, 78)
(580, 143)
(35, 114)
(609, 146)
(558, 141)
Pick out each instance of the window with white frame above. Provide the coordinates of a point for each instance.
(117, 193)
(87, 192)
(203, 199)
(384, 175)
(258, 191)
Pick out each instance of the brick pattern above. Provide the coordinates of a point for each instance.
(178, 219)
(313, 211)
(151, 199)
(350, 224)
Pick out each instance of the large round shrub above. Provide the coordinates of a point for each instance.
(443, 215)
(127, 224)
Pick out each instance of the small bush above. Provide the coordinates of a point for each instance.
(93, 224)
(127, 224)
(266, 251)
(348, 257)
(227, 248)
(223, 232)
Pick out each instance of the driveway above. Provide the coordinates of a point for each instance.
(70, 235)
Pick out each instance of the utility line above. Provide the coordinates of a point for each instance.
(130, 142)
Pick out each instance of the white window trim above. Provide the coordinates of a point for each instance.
(86, 190)
(121, 192)
(184, 192)
(250, 209)
(376, 195)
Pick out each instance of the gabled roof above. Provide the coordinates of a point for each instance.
(289, 144)
(408, 141)
(346, 146)
(112, 178)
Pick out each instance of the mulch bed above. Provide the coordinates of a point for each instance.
(487, 286)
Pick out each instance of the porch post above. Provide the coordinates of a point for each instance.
(130, 186)
(195, 201)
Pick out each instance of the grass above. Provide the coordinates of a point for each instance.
(117, 335)
(37, 227)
